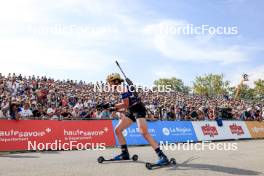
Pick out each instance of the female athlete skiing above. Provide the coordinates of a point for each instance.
(133, 110)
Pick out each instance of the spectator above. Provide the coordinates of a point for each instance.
(76, 112)
(38, 112)
(194, 115)
(14, 111)
(257, 115)
(65, 114)
(26, 111)
(105, 114)
(51, 112)
(47, 98)
(247, 115)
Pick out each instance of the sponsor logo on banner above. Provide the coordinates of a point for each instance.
(236, 129)
(125, 132)
(18, 135)
(166, 131)
(176, 131)
(209, 130)
(256, 129)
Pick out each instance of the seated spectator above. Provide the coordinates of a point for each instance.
(171, 114)
(85, 113)
(193, 114)
(65, 114)
(26, 111)
(257, 115)
(201, 113)
(105, 114)
(51, 112)
(211, 114)
(14, 111)
(76, 112)
(247, 115)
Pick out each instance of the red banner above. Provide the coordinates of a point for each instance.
(57, 135)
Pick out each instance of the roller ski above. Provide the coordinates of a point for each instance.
(162, 162)
(120, 157)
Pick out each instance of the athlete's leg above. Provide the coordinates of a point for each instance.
(143, 128)
(142, 125)
(124, 122)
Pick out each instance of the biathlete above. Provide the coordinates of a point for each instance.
(134, 111)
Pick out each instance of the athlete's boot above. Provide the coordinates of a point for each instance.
(122, 156)
(163, 160)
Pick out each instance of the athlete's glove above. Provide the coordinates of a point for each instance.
(111, 109)
(109, 106)
(103, 106)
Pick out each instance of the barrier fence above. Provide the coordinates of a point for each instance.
(24, 134)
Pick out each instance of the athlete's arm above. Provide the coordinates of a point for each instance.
(125, 101)
(123, 105)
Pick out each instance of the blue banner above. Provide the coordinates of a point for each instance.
(170, 131)
(133, 136)
(175, 131)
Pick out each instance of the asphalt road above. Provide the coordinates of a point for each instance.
(248, 159)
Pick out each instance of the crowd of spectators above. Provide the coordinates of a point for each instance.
(37, 97)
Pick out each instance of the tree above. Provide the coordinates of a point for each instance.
(259, 89)
(210, 85)
(174, 83)
(246, 93)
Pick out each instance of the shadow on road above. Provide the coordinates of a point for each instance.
(128, 161)
(50, 152)
(216, 168)
(17, 156)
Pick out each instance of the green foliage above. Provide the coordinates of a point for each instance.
(174, 83)
(211, 85)
(246, 93)
(259, 87)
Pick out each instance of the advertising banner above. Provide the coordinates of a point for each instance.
(256, 129)
(61, 135)
(166, 131)
(209, 130)
(133, 136)
(237, 129)
(176, 131)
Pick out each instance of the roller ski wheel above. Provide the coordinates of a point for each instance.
(171, 162)
(101, 159)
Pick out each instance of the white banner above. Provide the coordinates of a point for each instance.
(209, 130)
(237, 129)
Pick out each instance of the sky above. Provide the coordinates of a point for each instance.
(81, 39)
